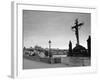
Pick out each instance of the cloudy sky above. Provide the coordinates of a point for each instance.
(41, 26)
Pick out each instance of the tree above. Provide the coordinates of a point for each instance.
(89, 46)
(70, 48)
(46, 53)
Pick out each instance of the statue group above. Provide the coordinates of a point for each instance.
(79, 50)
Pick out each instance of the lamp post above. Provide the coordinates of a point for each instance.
(50, 55)
(49, 44)
(49, 48)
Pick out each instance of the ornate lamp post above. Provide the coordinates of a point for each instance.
(49, 48)
(50, 55)
(49, 44)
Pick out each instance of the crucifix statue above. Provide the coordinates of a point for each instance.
(76, 28)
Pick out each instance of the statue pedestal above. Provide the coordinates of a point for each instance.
(80, 51)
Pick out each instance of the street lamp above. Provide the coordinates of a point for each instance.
(49, 44)
(50, 55)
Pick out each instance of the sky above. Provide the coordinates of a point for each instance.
(41, 26)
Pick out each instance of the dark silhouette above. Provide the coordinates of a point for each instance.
(46, 53)
(78, 50)
(76, 29)
(70, 48)
(89, 46)
(24, 48)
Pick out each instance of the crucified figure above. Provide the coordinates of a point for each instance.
(76, 29)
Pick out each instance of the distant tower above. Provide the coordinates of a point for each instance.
(89, 45)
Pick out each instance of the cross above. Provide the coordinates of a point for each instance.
(76, 29)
